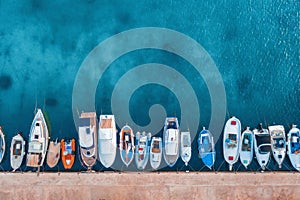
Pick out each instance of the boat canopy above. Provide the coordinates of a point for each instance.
(86, 137)
(263, 139)
(106, 147)
(171, 143)
(35, 147)
(186, 141)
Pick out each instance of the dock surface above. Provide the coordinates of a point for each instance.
(151, 185)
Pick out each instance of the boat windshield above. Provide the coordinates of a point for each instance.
(278, 143)
(172, 125)
(264, 148)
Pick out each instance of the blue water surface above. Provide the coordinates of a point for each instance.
(255, 46)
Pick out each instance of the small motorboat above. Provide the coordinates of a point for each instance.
(127, 145)
(206, 148)
(2, 144)
(293, 146)
(171, 141)
(53, 154)
(231, 141)
(278, 143)
(262, 146)
(38, 141)
(88, 139)
(246, 151)
(142, 149)
(17, 151)
(107, 140)
(68, 153)
(155, 152)
(186, 149)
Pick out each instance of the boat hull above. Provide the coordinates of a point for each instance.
(142, 149)
(68, 149)
(231, 141)
(155, 152)
(278, 143)
(206, 148)
(293, 147)
(127, 145)
(262, 147)
(107, 140)
(171, 141)
(246, 151)
(17, 151)
(38, 141)
(53, 154)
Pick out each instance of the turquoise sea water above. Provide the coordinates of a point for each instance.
(255, 46)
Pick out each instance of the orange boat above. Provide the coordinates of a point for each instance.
(68, 153)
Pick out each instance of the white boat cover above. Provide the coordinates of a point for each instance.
(106, 147)
(86, 137)
(35, 147)
(105, 134)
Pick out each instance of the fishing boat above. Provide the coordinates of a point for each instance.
(155, 152)
(68, 153)
(206, 148)
(127, 145)
(142, 149)
(294, 147)
(2, 144)
(88, 139)
(246, 151)
(38, 141)
(262, 146)
(107, 142)
(53, 154)
(17, 151)
(278, 143)
(171, 141)
(231, 141)
(186, 149)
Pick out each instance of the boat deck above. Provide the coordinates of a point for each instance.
(150, 185)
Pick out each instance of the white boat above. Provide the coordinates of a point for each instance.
(107, 142)
(278, 143)
(186, 149)
(2, 144)
(17, 151)
(155, 152)
(294, 147)
(262, 146)
(38, 141)
(231, 141)
(127, 145)
(88, 139)
(206, 148)
(142, 149)
(171, 141)
(246, 151)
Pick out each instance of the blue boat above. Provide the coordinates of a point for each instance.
(206, 148)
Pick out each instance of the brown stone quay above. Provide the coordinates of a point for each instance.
(150, 185)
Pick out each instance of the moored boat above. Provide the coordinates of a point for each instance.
(231, 141)
(142, 149)
(206, 148)
(88, 139)
(17, 151)
(278, 143)
(107, 140)
(38, 141)
(68, 153)
(171, 141)
(262, 146)
(155, 152)
(2, 144)
(246, 151)
(53, 154)
(127, 145)
(186, 149)
(293, 146)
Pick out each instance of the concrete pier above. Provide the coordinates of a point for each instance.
(151, 185)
